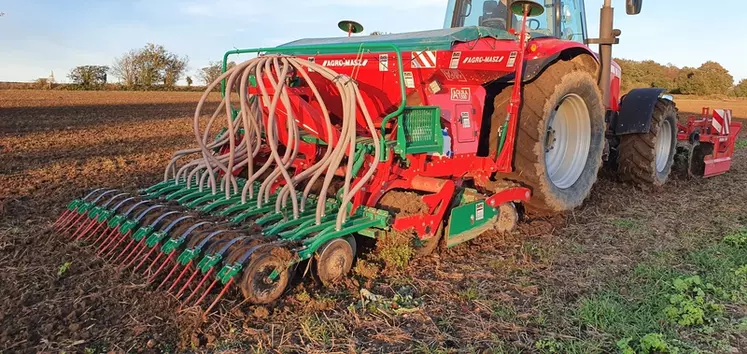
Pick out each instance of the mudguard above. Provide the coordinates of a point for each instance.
(636, 110)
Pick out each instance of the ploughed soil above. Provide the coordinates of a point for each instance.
(500, 292)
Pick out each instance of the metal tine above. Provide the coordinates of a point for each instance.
(220, 295)
(199, 285)
(95, 221)
(163, 265)
(153, 225)
(87, 211)
(72, 212)
(137, 221)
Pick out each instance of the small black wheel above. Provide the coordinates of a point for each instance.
(334, 260)
(256, 284)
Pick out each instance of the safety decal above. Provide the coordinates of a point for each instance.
(455, 57)
(465, 120)
(409, 79)
(512, 59)
(384, 62)
(480, 211)
(423, 60)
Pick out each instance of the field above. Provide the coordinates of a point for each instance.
(615, 273)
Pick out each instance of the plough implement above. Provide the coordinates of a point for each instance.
(462, 128)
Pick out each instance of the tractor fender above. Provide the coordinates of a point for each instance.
(534, 67)
(552, 50)
(636, 110)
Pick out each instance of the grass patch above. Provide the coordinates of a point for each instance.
(626, 224)
(741, 144)
(660, 308)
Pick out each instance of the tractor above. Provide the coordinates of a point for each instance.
(435, 137)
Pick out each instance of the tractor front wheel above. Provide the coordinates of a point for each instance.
(647, 158)
(560, 140)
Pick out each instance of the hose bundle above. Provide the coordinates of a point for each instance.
(253, 126)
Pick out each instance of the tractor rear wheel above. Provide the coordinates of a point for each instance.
(647, 158)
(560, 140)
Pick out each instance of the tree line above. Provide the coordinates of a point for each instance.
(151, 67)
(711, 78)
(154, 67)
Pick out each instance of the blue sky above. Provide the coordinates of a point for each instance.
(39, 36)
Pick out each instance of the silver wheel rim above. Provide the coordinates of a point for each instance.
(568, 141)
(663, 146)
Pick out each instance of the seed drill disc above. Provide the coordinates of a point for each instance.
(333, 260)
(256, 284)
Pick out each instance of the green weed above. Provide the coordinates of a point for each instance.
(741, 144)
(692, 302)
(650, 343)
(63, 268)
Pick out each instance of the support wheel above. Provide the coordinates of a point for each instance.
(256, 284)
(560, 137)
(508, 218)
(334, 260)
(647, 158)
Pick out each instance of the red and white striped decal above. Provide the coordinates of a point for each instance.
(721, 120)
(424, 60)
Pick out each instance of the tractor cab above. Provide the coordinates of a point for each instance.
(562, 19)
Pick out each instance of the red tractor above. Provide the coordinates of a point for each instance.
(438, 135)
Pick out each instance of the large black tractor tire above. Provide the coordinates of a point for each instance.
(646, 159)
(564, 81)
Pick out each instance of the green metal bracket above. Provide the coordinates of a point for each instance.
(228, 272)
(171, 245)
(94, 212)
(104, 216)
(142, 233)
(158, 186)
(209, 261)
(155, 238)
(188, 255)
(207, 198)
(165, 190)
(127, 226)
(220, 203)
(116, 221)
(195, 195)
(469, 221)
(84, 207)
(73, 205)
(370, 218)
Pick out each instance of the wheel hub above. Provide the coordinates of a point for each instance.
(663, 146)
(568, 141)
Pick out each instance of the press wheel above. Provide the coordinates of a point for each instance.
(334, 260)
(256, 284)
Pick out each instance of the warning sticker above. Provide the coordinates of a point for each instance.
(409, 79)
(511, 59)
(480, 211)
(384, 62)
(465, 120)
(455, 57)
